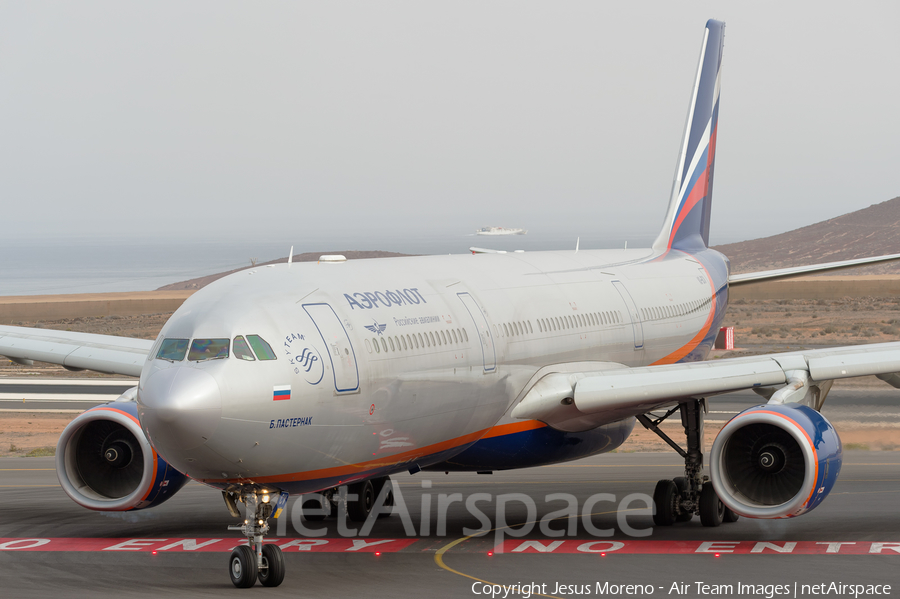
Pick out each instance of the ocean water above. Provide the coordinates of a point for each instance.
(55, 266)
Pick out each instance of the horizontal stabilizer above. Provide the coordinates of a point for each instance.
(797, 271)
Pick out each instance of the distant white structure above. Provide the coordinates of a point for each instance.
(500, 231)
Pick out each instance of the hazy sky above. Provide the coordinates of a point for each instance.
(278, 120)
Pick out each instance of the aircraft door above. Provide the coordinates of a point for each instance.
(488, 356)
(636, 327)
(337, 346)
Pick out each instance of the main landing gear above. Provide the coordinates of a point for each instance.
(360, 499)
(680, 499)
(254, 560)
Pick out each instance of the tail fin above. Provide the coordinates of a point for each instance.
(687, 221)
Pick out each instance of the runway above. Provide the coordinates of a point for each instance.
(425, 551)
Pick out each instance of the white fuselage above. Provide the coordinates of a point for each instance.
(395, 364)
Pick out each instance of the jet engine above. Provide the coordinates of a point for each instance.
(775, 461)
(104, 462)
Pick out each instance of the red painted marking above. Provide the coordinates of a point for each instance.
(712, 548)
(178, 545)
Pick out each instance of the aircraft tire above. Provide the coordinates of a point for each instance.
(730, 516)
(358, 509)
(712, 510)
(273, 574)
(242, 567)
(681, 484)
(379, 484)
(312, 504)
(664, 496)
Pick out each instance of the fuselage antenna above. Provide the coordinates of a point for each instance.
(291, 257)
(577, 242)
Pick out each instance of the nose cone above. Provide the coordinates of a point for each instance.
(180, 409)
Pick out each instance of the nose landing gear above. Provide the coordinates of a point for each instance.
(255, 560)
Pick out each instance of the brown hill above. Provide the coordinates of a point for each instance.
(194, 284)
(872, 231)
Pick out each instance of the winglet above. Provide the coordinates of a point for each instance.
(687, 221)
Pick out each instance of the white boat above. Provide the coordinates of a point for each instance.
(499, 231)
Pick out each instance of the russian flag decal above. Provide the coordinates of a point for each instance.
(280, 392)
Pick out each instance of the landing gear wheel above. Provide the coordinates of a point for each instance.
(730, 516)
(681, 484)
(272, 572)
(380, 484)
(313, 504)
(242, 567)
(664, 496)
(359, 509)
(712, 510)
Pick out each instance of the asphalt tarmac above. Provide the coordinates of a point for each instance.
(51, 547)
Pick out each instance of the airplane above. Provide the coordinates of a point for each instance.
(301, 378)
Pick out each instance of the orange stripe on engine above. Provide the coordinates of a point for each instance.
(811, 446)
(155, 455)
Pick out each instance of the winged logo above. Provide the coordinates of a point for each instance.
(376, 328)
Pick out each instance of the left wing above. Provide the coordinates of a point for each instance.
(75, 351)
(796, 271)
(616, 392)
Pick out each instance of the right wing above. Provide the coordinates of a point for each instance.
(76, 351)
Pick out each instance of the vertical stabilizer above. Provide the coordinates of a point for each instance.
(687, 221)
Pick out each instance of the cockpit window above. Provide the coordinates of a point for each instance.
(208, 349)
(241, 349)
(172, 350)
(263, 350)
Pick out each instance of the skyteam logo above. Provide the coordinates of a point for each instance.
(376, 328)
(304, 358)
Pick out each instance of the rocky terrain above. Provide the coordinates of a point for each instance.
(872, 231)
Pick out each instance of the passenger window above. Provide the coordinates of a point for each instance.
(173, 350)
(208, 349)
(392, 343)
(455, 336)
(506, 329)
(377, 348)
(403, 339)
(465, 335)
(438, 337)
(241, 349)
(429, 339)
(368, 346)
(384, 345)
(262, 349)
(421, 341)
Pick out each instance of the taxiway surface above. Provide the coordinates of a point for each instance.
(861, 514)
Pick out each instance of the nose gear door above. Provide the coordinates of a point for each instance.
(337, 346)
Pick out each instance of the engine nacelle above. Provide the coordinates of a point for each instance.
(104, 462)
(775, 461)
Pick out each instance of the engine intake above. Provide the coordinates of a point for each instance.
(104, 462)
(775, 461)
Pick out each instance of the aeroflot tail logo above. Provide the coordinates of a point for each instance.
(366, 300)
